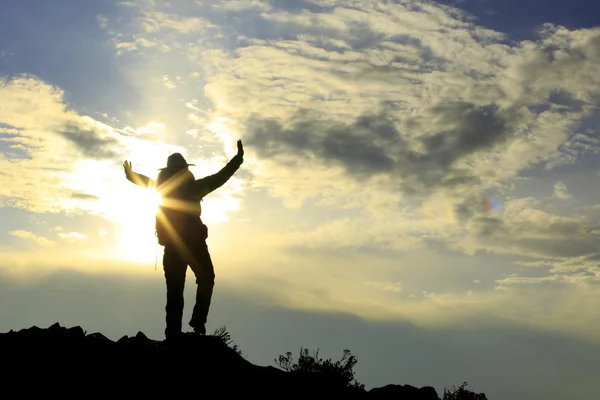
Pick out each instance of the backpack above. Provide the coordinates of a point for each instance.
(175, 223)
(161, 226)
(170, 223)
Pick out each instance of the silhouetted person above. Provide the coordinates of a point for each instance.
(181, 231)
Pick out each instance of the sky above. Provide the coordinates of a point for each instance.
(419, 182)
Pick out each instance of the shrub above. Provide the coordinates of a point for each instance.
(339, 371)
(461, 393)
(222, 334)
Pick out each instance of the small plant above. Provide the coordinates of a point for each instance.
(339, 371)
(461, 393)
(222, 334)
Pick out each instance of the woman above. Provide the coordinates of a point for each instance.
(180, 230)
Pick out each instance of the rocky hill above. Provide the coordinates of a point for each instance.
(68, 362)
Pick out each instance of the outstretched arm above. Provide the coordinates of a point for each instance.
(138, 179)
(206, 185)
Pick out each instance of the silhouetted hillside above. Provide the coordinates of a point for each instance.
(60, 361)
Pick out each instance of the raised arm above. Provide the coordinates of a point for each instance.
(138, 179)
(206, 185)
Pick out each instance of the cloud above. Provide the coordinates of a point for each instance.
(385, 110)
(54, 140)
(352, 146)
(239, 5)
(542, 233)
(395, 287)
(102, 21)
(72, 237)
(157, 29)
(155, 21)
(84, 196)
(515, 280)
(42, 241)
(168, 82)
(429, 123)
(90, 142)
(451, 122)
(561, 191)
(138, 44)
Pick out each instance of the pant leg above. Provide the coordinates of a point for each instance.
(175, 267)
(205, 279)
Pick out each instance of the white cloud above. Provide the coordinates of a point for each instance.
(52, 139)
(168, 82)
(561, 191)
(137, 44)
(343, 84)
(395, 287)
(102, 21)
(72, 237)
(514, 280)
(239, 5)
(42, 241)
(154, 21)
(535, 264)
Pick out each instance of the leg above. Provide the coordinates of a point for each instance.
(205, 279)
(174, 267)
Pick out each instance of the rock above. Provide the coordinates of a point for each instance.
(98, 336)
(429, 392)
(406, 392)
(55, 326)
(70, 363)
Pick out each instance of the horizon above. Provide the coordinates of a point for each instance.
(418, 182)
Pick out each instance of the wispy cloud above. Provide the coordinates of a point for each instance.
(42, 241)
(395, 287)
(72, 237)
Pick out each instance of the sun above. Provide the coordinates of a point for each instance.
(136, 240)
(130, 208)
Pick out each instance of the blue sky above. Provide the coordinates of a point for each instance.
(419, 180)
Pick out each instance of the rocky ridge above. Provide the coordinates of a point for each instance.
(69, 362)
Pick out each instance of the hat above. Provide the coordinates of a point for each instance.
(176, 161)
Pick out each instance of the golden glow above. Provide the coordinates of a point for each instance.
(136, 240)
(133, 209)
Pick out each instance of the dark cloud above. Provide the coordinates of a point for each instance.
(464, 211)
(563, 102)
(354, 146)
(558, 246)
(83, 196)
(89, 142)
(299, 6)
(467, 128)
(557, 239)
(373, 144)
